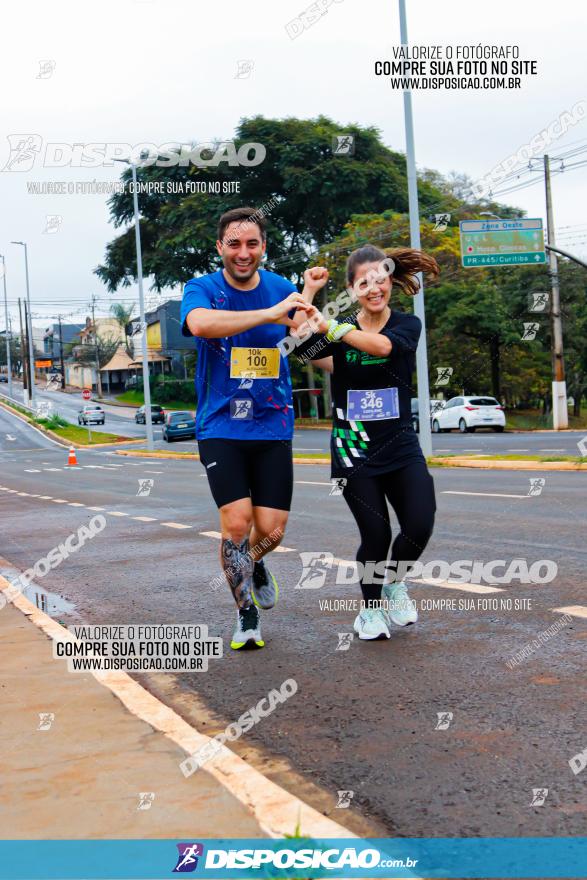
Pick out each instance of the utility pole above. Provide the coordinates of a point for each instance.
(98, 377)
(560, 413)
(144, 351)
(419, 309)
(61, 354)
(24, 359)
(8, 333)
(29, 326)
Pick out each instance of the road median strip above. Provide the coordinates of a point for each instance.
(68, 435)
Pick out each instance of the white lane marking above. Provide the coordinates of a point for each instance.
(75, 504)
(22, 493)
(552, 450)
(451, 585)
(518, 449)
(275, 550)
(153, 472)
(60, 501)
(32, 471)
(472, 450)
(46, 497)
(311, 483)
(116, 513)
(145, 518)
(52, 469)
(431, 582)
(573, 610)
(483, 494)
(95, 508)
(174, 525)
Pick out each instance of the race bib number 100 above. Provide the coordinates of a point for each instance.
(372, 405)
(254, 363)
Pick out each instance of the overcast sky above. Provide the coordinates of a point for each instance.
(137, 71)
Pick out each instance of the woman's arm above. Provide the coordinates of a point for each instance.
(314, 280)
(371, 343)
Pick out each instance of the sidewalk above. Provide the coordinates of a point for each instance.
(82, 777)
(111, 746)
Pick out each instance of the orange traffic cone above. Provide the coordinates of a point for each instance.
(72, 460)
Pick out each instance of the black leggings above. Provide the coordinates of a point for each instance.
(410, 491)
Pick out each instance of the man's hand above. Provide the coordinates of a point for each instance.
(314, 280)
(278, 314)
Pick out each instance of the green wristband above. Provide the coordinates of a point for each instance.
(336, 331)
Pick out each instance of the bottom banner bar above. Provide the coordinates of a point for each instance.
(492, 857)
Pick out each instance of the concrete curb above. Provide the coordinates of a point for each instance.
(486, 464)
(277, 811)
(194, 456)
(503, 465)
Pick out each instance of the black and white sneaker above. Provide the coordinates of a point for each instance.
(264, 591)
(247, 632)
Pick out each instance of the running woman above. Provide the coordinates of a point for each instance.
(244, 419)
(374, 447)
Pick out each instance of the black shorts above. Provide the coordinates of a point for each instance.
(261, 470)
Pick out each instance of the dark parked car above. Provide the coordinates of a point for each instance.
(179, 425)
(89, 413)
(157, 415)
(3, 377)
(435, 405)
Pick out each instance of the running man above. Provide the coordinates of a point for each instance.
(374, 447)
(245, 417)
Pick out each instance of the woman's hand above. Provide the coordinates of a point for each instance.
(278, 314)
(314, 323)
(314, 280)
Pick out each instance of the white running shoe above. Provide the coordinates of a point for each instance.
(371, 623)
(400, 610)
(247, 633)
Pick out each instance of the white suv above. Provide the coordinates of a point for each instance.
(469, 413)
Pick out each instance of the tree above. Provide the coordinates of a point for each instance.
(309, 192)
(123, 314)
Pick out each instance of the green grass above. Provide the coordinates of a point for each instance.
(136, 398)
(71, 433)
(80, 435)
(534, 419)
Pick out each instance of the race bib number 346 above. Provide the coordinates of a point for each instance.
(254, 363)
(372, 405)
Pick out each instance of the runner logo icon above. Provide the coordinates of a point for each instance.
(316, 565)
(187, 860)
(444, 719)
(241, 409)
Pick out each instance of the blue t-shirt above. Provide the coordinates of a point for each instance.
(241, 409)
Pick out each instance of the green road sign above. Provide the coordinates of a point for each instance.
(502, 242)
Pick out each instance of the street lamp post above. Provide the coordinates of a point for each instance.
(144, 353)
(419, 309)
(32, 389)
(8, 334)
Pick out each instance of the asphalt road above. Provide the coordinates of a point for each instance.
(120, 420)
(365, 719)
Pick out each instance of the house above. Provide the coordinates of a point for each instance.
(166, 347)
(85, 374)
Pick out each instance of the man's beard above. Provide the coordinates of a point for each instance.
(250, 271)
